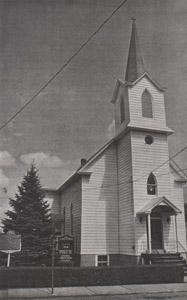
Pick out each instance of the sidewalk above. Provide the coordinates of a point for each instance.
(93, 290)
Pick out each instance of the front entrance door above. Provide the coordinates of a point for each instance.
(156, 233)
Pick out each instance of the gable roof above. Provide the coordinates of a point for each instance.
(147, 209)
(81, 170)
(131, 84)
(146, 74)
(95, 155)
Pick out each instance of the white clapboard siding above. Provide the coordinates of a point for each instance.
(178, 199)
(53, 199)
(72, 195)
(146, 158)
(135, 105)
(126, 217)
(123, 91)
(169, 235)
(99, 233)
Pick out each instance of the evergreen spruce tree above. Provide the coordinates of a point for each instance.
(30, 217)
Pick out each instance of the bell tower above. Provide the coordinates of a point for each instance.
(139, 99)
(142, 146)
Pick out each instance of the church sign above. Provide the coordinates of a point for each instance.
(10, 243)
(65, 249)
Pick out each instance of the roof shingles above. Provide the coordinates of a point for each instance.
(135, 63)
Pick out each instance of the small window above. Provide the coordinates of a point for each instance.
(122, 109)
(58, 228)
(71, 217)
(149, 140)
(147, 105)
(102, 261)
(151, 185)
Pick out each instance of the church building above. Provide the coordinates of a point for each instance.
(127, 199)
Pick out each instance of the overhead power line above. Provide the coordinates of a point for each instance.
(131, 181)
(170, 158)
(138, 179)
(180, 170)
(64, 66)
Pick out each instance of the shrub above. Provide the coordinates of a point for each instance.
(24, 277)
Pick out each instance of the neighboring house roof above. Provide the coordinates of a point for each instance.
(177, 171)
(160, 201)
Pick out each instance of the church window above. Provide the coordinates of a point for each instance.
(64, 217)
(58, 227)
(151, 185)
(147, 105)
(122, 109)
(71, 217)
(149, 140)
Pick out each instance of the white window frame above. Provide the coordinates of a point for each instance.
(97, 261)
(151, 102)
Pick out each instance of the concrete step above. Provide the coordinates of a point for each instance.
(169, 255)
(166, 258)
(167, 261)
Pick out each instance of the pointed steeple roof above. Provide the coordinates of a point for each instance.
(135, 64)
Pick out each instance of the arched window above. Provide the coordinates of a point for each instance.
(71, 217)
(147, 110)
(64, 217)
(151, 185)
(122, 109)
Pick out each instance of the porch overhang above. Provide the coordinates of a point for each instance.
(162, 202)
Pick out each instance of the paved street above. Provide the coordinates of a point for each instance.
(121, 292)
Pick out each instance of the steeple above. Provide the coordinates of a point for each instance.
(135, 64)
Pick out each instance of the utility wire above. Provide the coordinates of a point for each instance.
(131, 181)
(180, 170)
(65, 65)
(170, 158)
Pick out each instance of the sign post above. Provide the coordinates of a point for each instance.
(8, 260)
(53, 259)
(10, 243)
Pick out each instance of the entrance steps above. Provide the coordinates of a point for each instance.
(165, 258)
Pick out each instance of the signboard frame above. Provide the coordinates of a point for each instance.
(10, 243)
(65, 250)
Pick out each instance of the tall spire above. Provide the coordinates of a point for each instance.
(135, 64)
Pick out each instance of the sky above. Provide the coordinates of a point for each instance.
(73, 117)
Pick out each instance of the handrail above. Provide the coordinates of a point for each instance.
(182, 246)
(184, 253)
